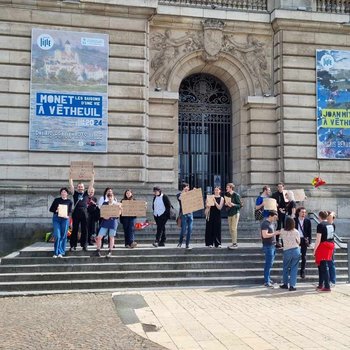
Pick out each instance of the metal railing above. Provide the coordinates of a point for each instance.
(333, 6)
(245, 5)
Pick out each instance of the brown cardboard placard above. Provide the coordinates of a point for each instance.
(62, 210)
(192, 201)
(81, 170)
(228, 200)
(134, 208)
(210, 200)
(299, 195)
(270, 204)
(110, 211)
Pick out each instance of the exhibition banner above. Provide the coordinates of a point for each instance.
(68, 91)
(333, 104)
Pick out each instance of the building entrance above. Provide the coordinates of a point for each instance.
(204, 132)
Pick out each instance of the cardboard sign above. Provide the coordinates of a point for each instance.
(210, 200)
(134, 208)
(285, 197)
(192, 201)
(299, 195)
(110, 211)
(228, 200)
(270, 204)
(81, 170)
(62, 210)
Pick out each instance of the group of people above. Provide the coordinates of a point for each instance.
(289, 228)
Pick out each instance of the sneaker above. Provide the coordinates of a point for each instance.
(133, 245)
(268, 285)
(324, 289)
(318, 288)
(292, 289)
(155, 244)
(219, 246)
(127, 246)
(179, 245)
(284, 286)
(302, 274)
(233, 246)
(188, 247)
(54, 256)
(109, 254)
(161, 244)
(72, 248)
(209, 246)
(332, 285)
(60, 256)
(98, 253)
(85, 249)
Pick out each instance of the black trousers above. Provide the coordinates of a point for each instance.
(161, 221)
(79, 217)
(280, 224)
(303, 250)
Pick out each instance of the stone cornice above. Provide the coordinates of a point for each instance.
(261, 102)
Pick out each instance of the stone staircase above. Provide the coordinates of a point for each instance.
(33, 270)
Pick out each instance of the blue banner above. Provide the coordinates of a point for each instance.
(333, 104)
(69, 84)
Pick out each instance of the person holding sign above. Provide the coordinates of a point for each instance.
(161, 211)
(213, 222)
(233, 205)
(281, 209)
(79, 216)
(61, 208)
(108, 227)
(128, 223)
(186, 219)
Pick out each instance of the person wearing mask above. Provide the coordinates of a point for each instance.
(161, 212)
(186, 219)
(281, 209)
(268, 237)
(60, 222)
(323, 250)
(79, 216)
(213, 222)
(108, 227)
(128, 223)
(291, 254)
(303, 225)
(233, 208)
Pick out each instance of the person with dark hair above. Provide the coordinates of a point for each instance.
(213, 220)
(233, 213)
(303, 225)
(281, 209)
(186, 219)
(331, 264)
(79, 216)
(291, 254)
(60, 221)
(93, 215)
(268, 236)
(323, 250)
(259, 203)
(161, 212)
(128, 222)
(104, 197)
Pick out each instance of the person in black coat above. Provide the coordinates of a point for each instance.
(303, 225)
(161, 211)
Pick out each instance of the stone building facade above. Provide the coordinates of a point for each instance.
(261, 51)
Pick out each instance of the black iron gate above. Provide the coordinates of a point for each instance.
(204, 132)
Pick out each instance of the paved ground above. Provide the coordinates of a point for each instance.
(226, 318)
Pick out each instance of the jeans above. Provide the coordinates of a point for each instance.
(290, 266)
(60, 229)
(186, 222)
(331, 268)
(269, 251)
(324, 274)
(128, 226)
(232, 224)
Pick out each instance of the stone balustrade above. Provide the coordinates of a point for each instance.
(333, 6)
(252, 5)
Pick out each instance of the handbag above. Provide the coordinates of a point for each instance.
(258, 214)
(178, 221)
(172, 213)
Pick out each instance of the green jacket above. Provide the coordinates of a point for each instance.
(236, 199)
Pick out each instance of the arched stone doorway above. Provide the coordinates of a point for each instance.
(204, 132)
